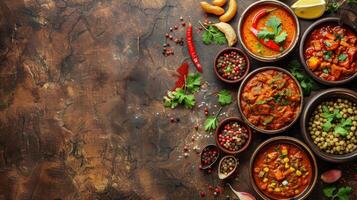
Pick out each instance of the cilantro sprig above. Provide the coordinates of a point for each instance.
(211, 122)
(224, 97)
(184, 96)
(342, 193)
(274, 32)
(342, 126)
(334, 5)
(213, 35)
(306, 83)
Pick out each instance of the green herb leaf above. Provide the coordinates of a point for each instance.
(327, 43)
(328, 191)
(268, 120)
(193, 82)
(224, 97)
(275, 23)
(306, 83)
(325, 70)
(342, 57)
(213, 35)
(211, 123)
(327, 55)
(343, 193)
(327, 126)
(265, 34)
(281, 38)
(340, 130)
(260, 102)
(177, 97)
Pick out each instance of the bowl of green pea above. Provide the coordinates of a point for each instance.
(329, 124)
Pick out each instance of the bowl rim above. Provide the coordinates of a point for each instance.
(279, 56)
(215, 161)
(311, 104)
(306, 34)
(241, 122)
(240, 90)
(240, 51)
(294, 141)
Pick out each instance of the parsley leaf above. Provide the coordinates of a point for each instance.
(343, 193)
(213, 35)
(306, 83)
(327, 43)
(193, 82)
(327, 55)
(260, 102)
(281, 38)
(325, 70)
(265, 34)
(342, 57)
(224, 97)
(211, 123)
(275, 23)
(328, 191)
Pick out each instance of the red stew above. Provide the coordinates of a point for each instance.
(282, 171)
(270, 100)
(330, 52)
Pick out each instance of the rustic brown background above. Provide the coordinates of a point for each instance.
(81, 117)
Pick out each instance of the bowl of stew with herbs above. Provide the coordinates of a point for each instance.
(270, 100)
(283, 168)
(328, 52)
(268, 30)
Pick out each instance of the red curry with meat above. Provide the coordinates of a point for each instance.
(330, 52)
(282, 171)
(271, 100)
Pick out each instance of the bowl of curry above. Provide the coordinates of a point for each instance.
(268, 30)
(328, 51)
(270, 100)
(283, 168)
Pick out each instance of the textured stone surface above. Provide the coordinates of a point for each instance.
(81, 83)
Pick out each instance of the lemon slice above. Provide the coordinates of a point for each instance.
(309, 9)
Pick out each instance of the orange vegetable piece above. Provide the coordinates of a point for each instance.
(313, 63)
(231, 12)
(279, 175)
(219, 2)
(209, 8)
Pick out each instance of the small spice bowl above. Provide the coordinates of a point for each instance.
(237, 61)
(209, 156)
(307, 115)
(233, 136)
(227, 166)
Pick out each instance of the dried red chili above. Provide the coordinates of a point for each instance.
(191, 49)
(183, 72)
(261, 13)
(268, 43)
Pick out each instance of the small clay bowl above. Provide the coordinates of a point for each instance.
(210, 146)
(221, 126)
(306, 115)
(227, 50)
(307, 33)
(222, 176)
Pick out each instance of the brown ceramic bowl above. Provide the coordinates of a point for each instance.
(226, 50)
(251, 75)
(306, 114)
(312, 27)
(291, 141)
(220, 127)
(210, 146)
(243, 18)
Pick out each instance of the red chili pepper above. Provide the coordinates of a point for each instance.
(261, 13)
(191, 48)
(268, 43)
(183, 71)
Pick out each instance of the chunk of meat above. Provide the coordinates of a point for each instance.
(331, 44)
(279, 175)
(336, 71)
(316, 44)
(351, 52)
(330, 36)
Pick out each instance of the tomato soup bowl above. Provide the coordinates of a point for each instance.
(220, 128)
(293, 147)
(247, 39)
(325, 21)
(311, 105)
(297, 89)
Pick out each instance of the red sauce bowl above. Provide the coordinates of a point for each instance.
(220, 128)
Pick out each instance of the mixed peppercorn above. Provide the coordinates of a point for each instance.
(231, 65)
(209, 156)
(233, 136)
(227, 165)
